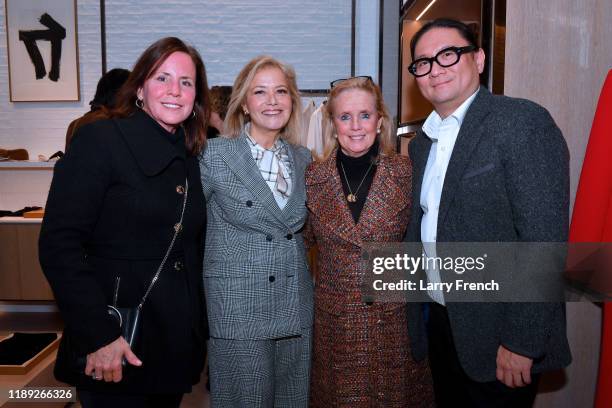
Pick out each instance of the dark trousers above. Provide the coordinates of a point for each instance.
(452, 386)
(92, 399)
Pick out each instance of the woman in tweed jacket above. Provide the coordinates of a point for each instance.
(359, 191)
(255, 274)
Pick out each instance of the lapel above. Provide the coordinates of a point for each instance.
(470, 133)
(239, 160)
(419, 152)
(385, 198)
(152, 147)
(328, 202)
(298, 191)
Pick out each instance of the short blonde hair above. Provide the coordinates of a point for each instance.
(236, 118)
(386, 137)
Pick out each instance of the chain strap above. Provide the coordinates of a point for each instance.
(177, 228)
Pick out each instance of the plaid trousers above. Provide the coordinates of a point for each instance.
(260, 373)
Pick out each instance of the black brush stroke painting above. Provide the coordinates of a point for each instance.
(54, 34)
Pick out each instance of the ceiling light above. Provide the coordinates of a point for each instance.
(425, 10)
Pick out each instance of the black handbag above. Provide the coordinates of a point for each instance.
(129, 320)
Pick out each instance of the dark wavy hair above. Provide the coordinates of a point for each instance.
(107, 88)
(147, 63)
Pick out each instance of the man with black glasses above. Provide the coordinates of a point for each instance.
(485, 169)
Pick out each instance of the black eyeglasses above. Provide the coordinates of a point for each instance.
(337, 81)
(445, 58)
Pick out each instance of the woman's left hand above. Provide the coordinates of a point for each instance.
(105, 363)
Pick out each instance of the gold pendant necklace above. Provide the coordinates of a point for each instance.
(352, 197)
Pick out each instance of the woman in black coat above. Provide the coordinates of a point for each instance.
(114, 201)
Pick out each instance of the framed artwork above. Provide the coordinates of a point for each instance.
(42, 48)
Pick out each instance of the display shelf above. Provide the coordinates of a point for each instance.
(19, 220)
(26, 164)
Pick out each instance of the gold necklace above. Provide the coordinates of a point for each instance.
(352, 197)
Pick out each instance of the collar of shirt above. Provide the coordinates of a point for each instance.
(278, 143)
(274, 165)
(434, 121)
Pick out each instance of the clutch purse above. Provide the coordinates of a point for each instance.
(128, 319)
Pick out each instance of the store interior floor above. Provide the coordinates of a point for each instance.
(51, 321)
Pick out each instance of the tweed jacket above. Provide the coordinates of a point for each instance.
(383, 219)
(507, 181)
(255, 271)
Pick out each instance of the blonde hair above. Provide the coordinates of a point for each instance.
(386, 137)
(236, 118)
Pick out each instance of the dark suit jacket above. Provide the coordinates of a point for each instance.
(111, 210)
(507, 181)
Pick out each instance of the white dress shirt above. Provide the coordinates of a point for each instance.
(306, 114)
(314, 138)
(443, 134)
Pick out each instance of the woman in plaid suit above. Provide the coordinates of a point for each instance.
(259, 291)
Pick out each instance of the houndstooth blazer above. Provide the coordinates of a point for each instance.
(256, 277)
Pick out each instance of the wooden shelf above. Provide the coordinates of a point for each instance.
(19, 220)
(26, 164)
(21, 277)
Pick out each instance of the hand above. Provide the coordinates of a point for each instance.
(513, 369)
(105, 363)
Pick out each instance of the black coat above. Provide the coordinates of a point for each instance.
(111, 210)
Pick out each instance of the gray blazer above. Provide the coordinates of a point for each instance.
(507, 181)
(256, 277)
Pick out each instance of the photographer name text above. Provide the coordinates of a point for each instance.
(424, 285)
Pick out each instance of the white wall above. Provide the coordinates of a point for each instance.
(558, 53)
(366, 38)
(314, 36)
(40, 127)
